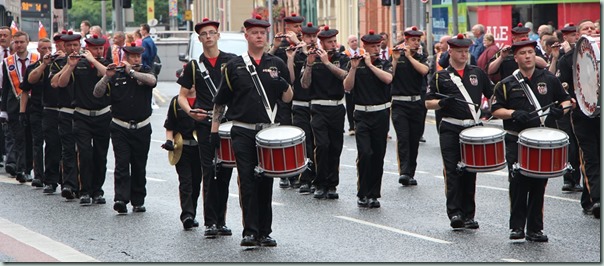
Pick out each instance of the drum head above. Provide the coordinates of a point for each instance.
(280, 135)
(481, 133)
(586, 75)
(543, 135)
(224, 129)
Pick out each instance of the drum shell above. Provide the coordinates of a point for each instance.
(281, 157)
(542, 152)
(482, 149)
(225, 153)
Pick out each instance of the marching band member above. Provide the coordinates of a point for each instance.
(370, 78)
(511, 103)
(459, 81)
(215, 184)
(353, 50)
(408, 109)
(249, 114)
(323, 75)
(130, 92)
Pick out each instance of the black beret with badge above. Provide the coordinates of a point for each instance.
(256, 22)
(413, 32)
(309, 29)
(327, 33)
(522, 43)
(70, 36)
(95, 40)
(520, 29)
(293, 18)
(371, 38)
(569, 29)
(206, 22)
(459, 42)
(133, 49)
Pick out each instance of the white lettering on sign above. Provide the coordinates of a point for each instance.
(500, 33)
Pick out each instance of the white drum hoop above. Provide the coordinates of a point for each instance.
(586, 75)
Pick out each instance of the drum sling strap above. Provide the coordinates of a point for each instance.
(530, 95)
(206, 77)
(466, 95)
(259, 88)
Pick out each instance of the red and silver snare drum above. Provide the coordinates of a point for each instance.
(482, 149)
(225, 153)
(281, 151)
(542, 152)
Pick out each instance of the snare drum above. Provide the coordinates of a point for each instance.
(281, 151)
(225, 154)
(542, 152)
(586, 75)
(482, 149)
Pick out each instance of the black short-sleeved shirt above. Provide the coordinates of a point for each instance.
(238, 91)
(510, 95)
(324, 84)
(564, 71)
(83, 79)
(37, 90)
(300, 94)
(188, 79)
(474, 79)
(406, 80)
(281, 50)
(509, 65)
(65, 94)
(129, 99)
(178, 120)
(368, 88)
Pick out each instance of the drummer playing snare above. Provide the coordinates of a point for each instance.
(515, 100)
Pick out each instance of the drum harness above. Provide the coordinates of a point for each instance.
(457, 81)
(531, 96)
(260, 89)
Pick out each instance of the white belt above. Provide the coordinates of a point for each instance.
(412, 98)
(66, 110)
(93, 112)
(460, 122)
(259, 126)
(52, 108)
(327, 102)
(189, 142)
(372, 108)
(511, 132)
(301, 103)
(131, 124)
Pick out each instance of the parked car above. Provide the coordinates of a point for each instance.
(230, 42)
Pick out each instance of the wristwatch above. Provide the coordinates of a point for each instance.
(131, 72)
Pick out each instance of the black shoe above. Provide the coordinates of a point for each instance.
(21, 178)
(187, 223)
(140, 208)
(304, 189)
(596, 210)
(249, 241)
(374, 203)
(67, 193)
(267, 241)
(11, 169)
(567, 187)
(577, 188)
(224, 231)
(98, 200)
(210, 231)
(536, 236)
(294, 182)
(195, 223)
(332, 194)
(404, 180)
(37, 183)
(312, 189)
(120, 207)
(320, 193)
(517, 234)
(49, 189)
(283, 183)
(85, 200)
(363, 202)
(422, 139)
(457, 222)
(28, 178)
(588, 210)
(412, 182)
(471, 224)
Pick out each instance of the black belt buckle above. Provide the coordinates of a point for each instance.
(415, 98)
(132, 124)
(92, 113)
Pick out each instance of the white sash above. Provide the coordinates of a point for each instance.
(465, 94)
(531, 96)
(206, 77)
(259, 88)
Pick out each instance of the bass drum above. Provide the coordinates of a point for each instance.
(586, 75)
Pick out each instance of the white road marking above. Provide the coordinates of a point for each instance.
(274, 202)
(395, 230)
(55, 249)
(512, 260)
(148, 178)
(351, 149)
(158, 141)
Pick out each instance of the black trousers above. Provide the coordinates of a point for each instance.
(526, 193)
(565, 125)
(92, 142)
(189, 181)
(350, 109)
(587, 130)
(52, 148)
(9, 141)
(37, 142)
(284, 113)
(215, 184)
(22, 146)
(371, 133)
(255, 193)
(409, 120)
(327, 124)
(301, 119)
(68, 152)
(460, 186)
(131, 149)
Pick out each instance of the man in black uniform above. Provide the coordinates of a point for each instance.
(370, 78)
(91, 118)
(291, 36)
(408, 109)
(249, 113)
(70, 183)
(130, 91)
(215, 184)
(296, 59)
(586, 130)
(323, 75)
(511, 103)
(459, 81)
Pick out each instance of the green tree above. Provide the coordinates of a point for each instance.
(88, 10)
(140, 12)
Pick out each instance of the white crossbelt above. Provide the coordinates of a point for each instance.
(372, 108)
(131, 124)
(460, 122)
(93, 112)
(301, 103)
(328, 102)
(66, 110)
(411, 98)
(250, 126)
(52, 108)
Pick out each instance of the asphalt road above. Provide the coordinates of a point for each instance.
(411, 225)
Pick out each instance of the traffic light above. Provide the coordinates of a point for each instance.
(389, 2)
(59, 4)
(125, 3)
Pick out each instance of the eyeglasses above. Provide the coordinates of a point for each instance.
(208, 34)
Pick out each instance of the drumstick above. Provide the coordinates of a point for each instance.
(544, 107)
(544, 114)
(457, 99)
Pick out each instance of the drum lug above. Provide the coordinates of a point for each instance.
(515, 169)
(461, 167)
(258, 172)
(569, 168)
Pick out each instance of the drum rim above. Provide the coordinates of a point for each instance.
(281, 143)
(226, 132)
(524, 140)
(578, 90)
(500, 134)
(486, 168)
